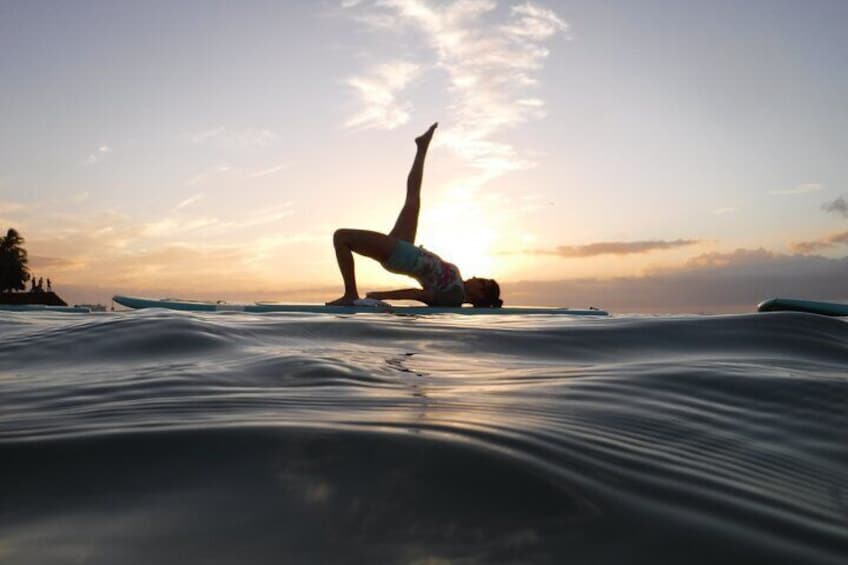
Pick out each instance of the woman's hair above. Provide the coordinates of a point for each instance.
(491, 295)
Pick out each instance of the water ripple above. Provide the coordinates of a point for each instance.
(728, 431)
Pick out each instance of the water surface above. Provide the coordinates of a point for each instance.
(170, 437)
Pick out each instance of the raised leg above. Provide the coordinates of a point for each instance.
(406, 224)
(377, 246)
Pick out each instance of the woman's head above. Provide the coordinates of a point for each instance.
(483, 293)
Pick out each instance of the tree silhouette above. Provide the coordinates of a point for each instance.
(14, 272)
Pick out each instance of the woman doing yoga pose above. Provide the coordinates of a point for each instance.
(441, 282)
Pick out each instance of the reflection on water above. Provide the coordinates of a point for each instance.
(161, 437)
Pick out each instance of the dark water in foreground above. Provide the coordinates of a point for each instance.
(163, 437)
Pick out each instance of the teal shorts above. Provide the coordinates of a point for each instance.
(403, 259)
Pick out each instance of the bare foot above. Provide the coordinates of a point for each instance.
(343, 301)
(423, 140)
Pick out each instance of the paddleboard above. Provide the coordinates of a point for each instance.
(810, 306)
(261, 307)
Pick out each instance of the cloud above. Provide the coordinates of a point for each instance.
(535, 23)
(7, 206)
(712, 282)
(172, 227)
(716, 259)
(839, 206)
(825, 242)
(210, 173)
(203, 176)
(41, 263)
(264, 217)
(203, 136)
(255, 137)
(378, 92)
(612, 248)
(243, 138)
(189, 201)
(268, 171)
(800, 189)
(109, 249)
(81, 240)
(98, 155)
(722, 211)
(173, 264)
(490, 66)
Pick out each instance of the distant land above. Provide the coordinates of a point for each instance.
(48, 298)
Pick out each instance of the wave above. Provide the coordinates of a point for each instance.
(232, 437)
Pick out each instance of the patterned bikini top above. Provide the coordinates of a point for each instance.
(439, 277)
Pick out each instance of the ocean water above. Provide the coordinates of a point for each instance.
(166, 437)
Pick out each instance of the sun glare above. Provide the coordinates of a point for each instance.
(462, 234)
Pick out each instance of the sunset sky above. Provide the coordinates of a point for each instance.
(645, 156)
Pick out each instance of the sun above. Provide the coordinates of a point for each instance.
(461, 233)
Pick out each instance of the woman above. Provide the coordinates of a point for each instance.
(441, 282)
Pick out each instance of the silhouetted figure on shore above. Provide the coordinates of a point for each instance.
(441, 281)
(49, 286)
(32, 285)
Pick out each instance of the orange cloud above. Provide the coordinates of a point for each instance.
(825, 242)
(612, 248)
(711, 282)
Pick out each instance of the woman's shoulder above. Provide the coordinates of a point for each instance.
(453, 296)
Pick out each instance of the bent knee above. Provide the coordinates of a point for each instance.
(341, 236)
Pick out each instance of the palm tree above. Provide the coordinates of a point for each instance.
(14, 272)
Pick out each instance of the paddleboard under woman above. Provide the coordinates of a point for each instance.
(441, 282)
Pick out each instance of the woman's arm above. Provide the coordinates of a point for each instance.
(403, 294)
